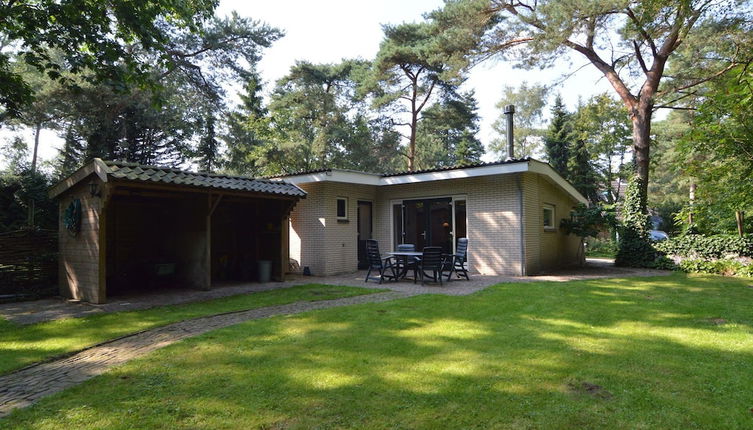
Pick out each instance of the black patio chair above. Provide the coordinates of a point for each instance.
(456, 261)
(406, 264)
(379, 264)
(431, 264)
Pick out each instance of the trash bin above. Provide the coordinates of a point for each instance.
(265, 270)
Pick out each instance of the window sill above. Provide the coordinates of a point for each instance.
(550, 229)
(343, 221)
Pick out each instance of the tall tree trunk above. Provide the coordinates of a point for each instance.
(412, 142)
(37, 130)
(691, 198)
(740, 218)
(32, 203)
(641, 118)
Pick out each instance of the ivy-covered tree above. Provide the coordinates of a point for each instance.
(634, 247)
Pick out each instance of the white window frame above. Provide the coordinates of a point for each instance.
(337, 204)
(553, 208)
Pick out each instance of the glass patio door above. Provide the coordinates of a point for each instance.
(428, 222)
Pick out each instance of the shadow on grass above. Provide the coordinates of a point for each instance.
(515, 355)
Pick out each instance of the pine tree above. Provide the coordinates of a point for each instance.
(557, 139)
(208, 150)
(581, 173)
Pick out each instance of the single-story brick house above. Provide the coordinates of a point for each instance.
(510, 212)
(126, 227)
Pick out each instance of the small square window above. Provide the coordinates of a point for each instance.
(548, 216)
(342, 208)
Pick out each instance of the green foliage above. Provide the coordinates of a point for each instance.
(557, 140)
(96, 38)
(602, 123)
(208, 150)
(635, 249)
(707, 247)
(447, 133)
(529, 101)
(588, 221)
(581, 173)
(716, 267)
(318, 118)
(19, 190)
(597, 247)
(717, 152)
(416, 63)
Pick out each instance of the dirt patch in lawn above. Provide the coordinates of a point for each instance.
(717, 321)
(590, 389)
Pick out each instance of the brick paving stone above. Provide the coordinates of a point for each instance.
(24, 387)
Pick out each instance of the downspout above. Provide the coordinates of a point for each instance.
(522, 226)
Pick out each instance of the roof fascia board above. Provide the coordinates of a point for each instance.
(547, 170)
(334, 176)
(455, 174)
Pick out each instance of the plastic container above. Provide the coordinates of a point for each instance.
(265, 270)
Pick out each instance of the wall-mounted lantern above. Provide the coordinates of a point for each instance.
(94, 189)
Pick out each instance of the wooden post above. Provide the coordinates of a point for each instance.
(283, 241)
(104, 197)
(210, 210)
(740, 218)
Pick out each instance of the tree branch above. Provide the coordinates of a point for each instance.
(699, 81)
(629, 12)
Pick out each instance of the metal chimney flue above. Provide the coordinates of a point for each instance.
(509, 111)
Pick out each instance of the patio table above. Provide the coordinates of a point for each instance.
(404, 255)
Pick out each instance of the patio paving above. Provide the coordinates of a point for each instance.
(52, 309)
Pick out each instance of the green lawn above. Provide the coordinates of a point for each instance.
(23, 345)
(670, 352)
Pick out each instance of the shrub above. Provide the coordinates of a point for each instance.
(708, 247)
(718, 267)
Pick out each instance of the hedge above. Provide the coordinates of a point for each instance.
(698, 246)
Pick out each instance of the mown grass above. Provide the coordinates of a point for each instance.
(21, 345)
(639, 353)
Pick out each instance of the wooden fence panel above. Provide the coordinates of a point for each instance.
(28, 261)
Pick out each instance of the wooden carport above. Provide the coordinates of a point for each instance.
(147, 227)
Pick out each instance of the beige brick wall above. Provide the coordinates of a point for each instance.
(79, 260)
(493, 218)
(547, 250)
(317, 238)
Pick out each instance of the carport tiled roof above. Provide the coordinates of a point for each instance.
(135, 172)
(119, 171)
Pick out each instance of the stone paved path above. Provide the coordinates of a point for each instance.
(24, 387)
